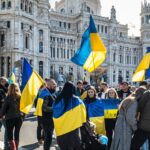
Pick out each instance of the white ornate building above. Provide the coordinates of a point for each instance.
(48, 38)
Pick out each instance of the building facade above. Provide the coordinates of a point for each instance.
(49, 38)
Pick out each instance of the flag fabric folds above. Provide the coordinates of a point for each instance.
(95, 111)
(31, 82)
(110, 108)
(12, 78)
(69, 119)
(43, 93)
(92, 51)
(143, 70)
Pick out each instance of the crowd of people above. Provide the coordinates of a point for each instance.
(82, 117)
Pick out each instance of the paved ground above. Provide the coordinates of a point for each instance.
(28, 139)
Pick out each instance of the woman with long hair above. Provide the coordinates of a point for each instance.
(11, 113)
(126, 122)
(112, 102)
(69, 114)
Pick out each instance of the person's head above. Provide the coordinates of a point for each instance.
(4, 81)
(68, 90)
(14, 91)
(139, 93)
(112, 93)
(79, 84)
(91, 93)
(143, 83)
(51, 84)
(103, 86)
(85, 83)
(125, 86)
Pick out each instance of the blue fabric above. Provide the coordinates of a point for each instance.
(95, 109)
(110, 103)
(148, 50)
(84, 51)
(27, 72)
(92, 25)
(43, 93)
(59, 107)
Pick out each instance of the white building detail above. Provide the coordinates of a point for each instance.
(49, 38)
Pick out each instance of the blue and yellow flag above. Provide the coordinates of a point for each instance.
(110, 108)
(43, 93)
(143, 70)
(95, 112)
(12, 78)
(31, 82)
(69, 119)
(92, 51)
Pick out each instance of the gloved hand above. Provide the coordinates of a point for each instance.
(103, 139)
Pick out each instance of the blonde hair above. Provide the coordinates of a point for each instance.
(14, 91)
(116, 94)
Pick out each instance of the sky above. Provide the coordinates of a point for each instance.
(127, 12)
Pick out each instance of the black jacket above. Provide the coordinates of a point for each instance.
(3, 92)
(11, 108)
(144, 109)
(122, 95)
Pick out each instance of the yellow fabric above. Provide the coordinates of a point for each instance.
(110, 114)
(100, 125)
(30, 92)
(96, 43)
(38, 111)
(70, 120)
(139, 74)
(94, 60)
(84, 95)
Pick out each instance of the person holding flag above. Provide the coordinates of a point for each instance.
(45, 112)
(69, 114)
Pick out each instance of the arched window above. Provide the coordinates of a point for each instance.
(22, 5)
(40, 34)
(41, 68)
(62, 10)
(26, 6)
(88, 9)
(30, 8)
(114, 57)
(40, 47)
(3, 5)
(9, 4)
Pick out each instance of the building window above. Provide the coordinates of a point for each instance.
(127, 61)
(2, 66)
(41, 47)
(57, 52)
(54, 52)
(106, 29)
(3, 5)
(60, 70)
(68, 54)
(21, 5)
(9, 4)
(120, 34)
(51, 71)
(8, 24)
(30, 8)
(70, 70)
(102, 29)
(120, 59)
(69, 25)
(98, 28)
(88, 9)
(127, 75)
(135, 60)
(62, 10)
(114, 76)
(40, 34)
(41, 68)
(8, 66)
(61, 53)
(114, 57)
(27, 42)
(59, 24)
(51, 52)
(26, 5)
(64, 24)
(2, 40)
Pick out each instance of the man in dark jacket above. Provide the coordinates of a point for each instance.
(46, 119)
(3, 93)
(125, 91)
(143, 132)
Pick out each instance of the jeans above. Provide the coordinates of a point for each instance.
(40, 132)
(6, 142)
(13, 128)
(48, 128)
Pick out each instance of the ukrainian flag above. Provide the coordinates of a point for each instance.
(31, 82)
(40, 101)
(92, 51)
(12, 78)
(69, 119)
(95, 111)
(143, 70)
(110, 108)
